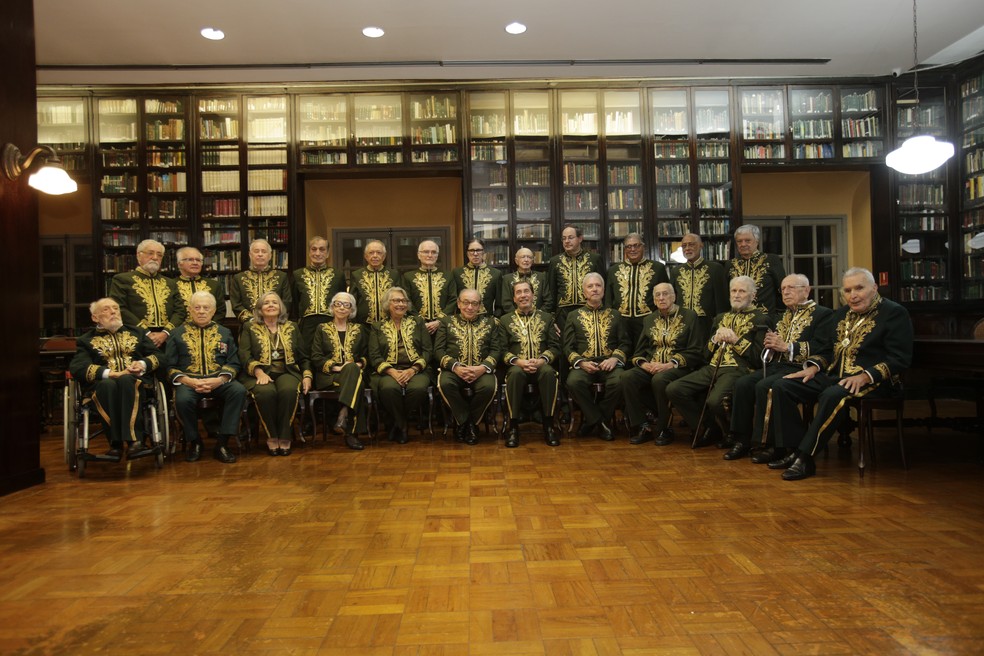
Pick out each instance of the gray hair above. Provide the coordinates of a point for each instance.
(202, 295)
(261, 240)
(593, 274)
(370, 243)
(747, 281)
(94, 306)
(860, 271)
(634, 235)
(800, 279)
(345, 296)
(388, 297)
(257, 313)
(184, 250)
(750, 228)
(147, 242)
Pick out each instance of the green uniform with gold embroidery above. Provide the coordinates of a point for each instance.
(629, 289)
(283, 358)
(248, 287)
(430, 292)
(596, 335)
(116, 399)
(188, 286)
(483, 278)
(469, 343)
(809, 330)
(406, 347)
(767, 272)
(368, 286)
(313, 290)
(701, 286)
(347, 350)
(877, 342)
(564, 277)
(732, 361)
(531, 337)
(145, 301)
(675, 338)
(205, 352)
(537, 280)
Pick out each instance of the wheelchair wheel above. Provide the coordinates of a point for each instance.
(158, 424)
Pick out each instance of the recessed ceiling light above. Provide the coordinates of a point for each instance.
(515, 28)
(373, 32)
(213, 34)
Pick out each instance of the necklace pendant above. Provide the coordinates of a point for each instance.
(276, 354)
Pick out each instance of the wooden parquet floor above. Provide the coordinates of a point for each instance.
(435, 548)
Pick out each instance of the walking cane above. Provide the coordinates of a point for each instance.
(703, 410)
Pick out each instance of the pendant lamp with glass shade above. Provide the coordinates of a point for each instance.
(921, 153)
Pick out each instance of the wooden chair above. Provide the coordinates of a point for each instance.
(866, 407)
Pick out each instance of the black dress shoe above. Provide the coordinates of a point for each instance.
(665, 437)
(802, 467)
(738, 450)
(768, 455)
(400, 435)
(784, 462)
(644, 435)
(354, 443)
(461, 433)
(285, 452)
(194, 451)
(273, 451)
(512, 439)
(550, 437)
(115, 454)
(604, 432)
(726, 442)
(340, 423)
(471, 434)
(138, 450)
(222, 454)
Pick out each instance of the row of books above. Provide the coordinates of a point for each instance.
(433, 155)
(169, 130)
(165, 158)
(671, 150)
(815, 128)
(375, 112)
(973, 138)
(175, 182)
(908, 294)
(672, 228)
(867, 101)
(311, 112)
(854, 128)
(162, 209)
(625, 199)
(267, 156)
(385, 138)
(536, 175)
(323, 139)
(717, 227)
(488, 125)
(677, 198)
(267, 104)
(117, 106)
(974, 188)
(921, 194)
(762, 129)
(117, 238)
(669, 121)
(924, 116)
(621, 229)
(673, 174)
(717, 199)
(709, 120)
(581, 199)
(220, 207)
(532, 200)
(117, 132)
(764, 151)
(490, 176)
(973, 219)
(713, 149)
(267, 205)
(580, 174)
(213, 181)
(117, 262)
(224, 156)
(913, 269)
(972, 86)
(219, 129)
(218, 105)
(221, 236)
(434, 108)
(923, 223)
(488, 152)
(862, 149)
(66, 114)
(624, 174)
(713, 173)
(971, 109)
(765, 102)
(974, 161)
(973, 267)
(266, 179)
(805, 102)
(119, 209)
(267, 128)
(813, 151)
(483, 201)
(533, 231)
(114, 158)
(379, 157)
(528, 122)
(434, 134)
(118, 184)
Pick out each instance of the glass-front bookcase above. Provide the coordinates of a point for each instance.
(971, 153)
(624, 179)
(63, 124)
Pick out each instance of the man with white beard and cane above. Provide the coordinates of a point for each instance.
(733, 350)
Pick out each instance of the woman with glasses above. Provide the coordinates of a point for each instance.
(476, 274)
(275, 369)
(399, 352)
(338, 357)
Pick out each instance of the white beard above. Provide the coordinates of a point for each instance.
(151, 267)
(113, 326)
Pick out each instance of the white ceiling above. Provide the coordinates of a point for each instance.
(321, 40)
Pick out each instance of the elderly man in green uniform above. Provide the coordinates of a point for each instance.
(629, 286)
(147, 299)
(765, 269)
(109, 363)
(203, 360)
(566, 272)
(532, 348)
(732, 351)
(700, 285)
(596, 347)
(524, 271)
(249, 286)
(872, 345)
(428, 286)
(668, 349)
(369, 283)
(190, 280)
(314, 287)
(477, 275)
(804, 332)
(468, 347)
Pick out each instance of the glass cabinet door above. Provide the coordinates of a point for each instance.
(862, 111)
(434, 127)
(119, 169)
(220, 198)
(378, 129)
(763, 124)
(811, 115)
(489, 162)
(581, 188)
(670, 111)
(712, 125)
(63, 125)
(532, 177)
(166, 158)
(972, 202)
(267, 207)
(322, 130)
(624, 181)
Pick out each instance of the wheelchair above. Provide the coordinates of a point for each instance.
(78, 430)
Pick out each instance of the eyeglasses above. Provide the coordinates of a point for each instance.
(476, 250)
(157, 254)
(192, 259)
(342, 304)
(426, 252)
(633, 245)
(399, 301)
(470, 303)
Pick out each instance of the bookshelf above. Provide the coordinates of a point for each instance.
(624, 179)
(714, 165)
(63, 124)
(323, 130)
(378, 123)
(923, 217)
(811, 116)
(862, 122)
(580, 145)
(267, 200)
(221, 198)
(434, 131)
(672, 163)
(532, 177)
(763, 124)
(971, 153)
(491, 196)
(143, 180)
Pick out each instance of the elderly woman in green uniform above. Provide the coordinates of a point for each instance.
(399, 350)
(275, 369)
(338, 357)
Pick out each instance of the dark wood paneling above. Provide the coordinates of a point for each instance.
(20, 464)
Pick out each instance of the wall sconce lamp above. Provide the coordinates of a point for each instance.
(50, 177)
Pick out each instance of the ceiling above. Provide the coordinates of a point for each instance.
(102, 42)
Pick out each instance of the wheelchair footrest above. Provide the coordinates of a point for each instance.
(99, 457)
(150, 451)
